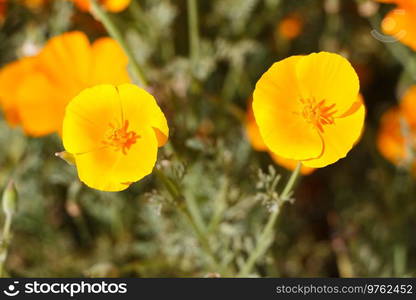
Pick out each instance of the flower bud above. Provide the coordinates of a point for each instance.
(66, 156)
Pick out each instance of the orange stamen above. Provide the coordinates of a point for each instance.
(318, 114)
(121, 139)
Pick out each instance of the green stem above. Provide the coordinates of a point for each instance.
(288, 188)
(194, 211)
(6, 228)
(202, 238)
(169, 185)
(231, 83)
(193, 31)
(219, 205)
(264, 240)
(115, 33)
(4, 244)
(187, 212)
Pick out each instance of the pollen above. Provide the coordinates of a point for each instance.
(318, 113)
(120, 139)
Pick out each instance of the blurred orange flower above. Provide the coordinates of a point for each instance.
(11, 78)
(396, 139)
(114, 133)
(256, 141)
(401, 22)
(290, 27)
(408, 105)
(34, 4)
(39, 91)
(3, 9)
(306, 108)
(110, 5)
(406, 3)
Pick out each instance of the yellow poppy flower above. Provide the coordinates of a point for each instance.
(306, 108)
(110, 5)
(256, 141)
(66, 65)
(114, 133)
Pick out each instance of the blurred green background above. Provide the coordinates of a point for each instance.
(353, 218)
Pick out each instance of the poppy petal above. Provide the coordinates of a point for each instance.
(67, 56)
(291, 164)
(339, 138)
(40, 109)
(253, 132)
(88, 117)
(401, 24)
(278, 113)
(330, 77)
(390, 140)
(105, 52)
(11, 78)
(116, 5)
(109, 170)
(141, 109)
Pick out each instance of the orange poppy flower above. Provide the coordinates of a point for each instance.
(65, 66)
(3, 9)
(290, 27)
(397, 134)
(34, 4)
(114, 133)
(401, 22)
(110, 5)
(11, 78)
(307, 110)
(256, 141)
(390, 141)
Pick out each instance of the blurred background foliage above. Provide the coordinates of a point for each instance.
(353, 218)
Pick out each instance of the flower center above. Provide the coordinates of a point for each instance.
(318, 114)
(121, 139)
